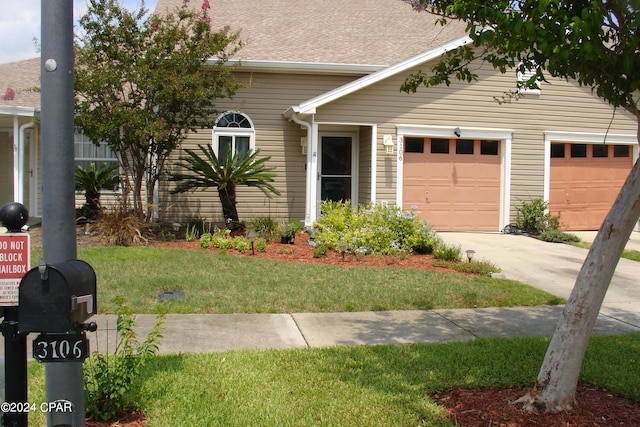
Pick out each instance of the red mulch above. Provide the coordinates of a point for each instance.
(302, 252)
(127, 419)
(468, 408)
(495, 407)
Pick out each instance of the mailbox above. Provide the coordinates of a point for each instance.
(57, 298)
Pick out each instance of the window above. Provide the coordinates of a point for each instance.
(557, 151)
(489, 148)
(620, 151)
(600, 150)
(464, 146)
(414, 145)
(523, 77)
(440, 146)
(233, 133)
(578, 150)
(86, 152)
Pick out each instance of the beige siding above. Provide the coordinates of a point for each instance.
(264, 102)
(561, 106)
(364, 165)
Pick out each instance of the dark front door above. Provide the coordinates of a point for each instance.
(336, 168)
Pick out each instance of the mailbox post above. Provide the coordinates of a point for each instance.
(14, 216)
(53, 300)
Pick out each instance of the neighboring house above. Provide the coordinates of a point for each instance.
(324, 103)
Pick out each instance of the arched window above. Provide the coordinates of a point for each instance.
(233, 133)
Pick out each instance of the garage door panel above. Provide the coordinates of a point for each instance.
(454, 192)
(582, 190)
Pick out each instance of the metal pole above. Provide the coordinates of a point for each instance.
(15, 350)
(63, 380)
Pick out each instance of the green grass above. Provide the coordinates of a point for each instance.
(352, 386)
(214, 283)
(627, 253)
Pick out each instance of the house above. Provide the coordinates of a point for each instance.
(324, 103)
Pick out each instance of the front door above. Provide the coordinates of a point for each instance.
(336, 168)
(6, 168)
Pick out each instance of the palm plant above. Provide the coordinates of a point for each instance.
(238, 169)
(91, 181)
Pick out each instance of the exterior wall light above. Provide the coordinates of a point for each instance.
(387, 141)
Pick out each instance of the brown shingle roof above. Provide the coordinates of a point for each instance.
(22, 77)
(369, 32)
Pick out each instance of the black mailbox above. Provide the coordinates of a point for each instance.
(57, 298)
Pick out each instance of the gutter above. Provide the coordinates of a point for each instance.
(301, 67)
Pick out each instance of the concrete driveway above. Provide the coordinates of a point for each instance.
(554, 267)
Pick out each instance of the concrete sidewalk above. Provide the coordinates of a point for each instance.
(548, 266)
(204, 333)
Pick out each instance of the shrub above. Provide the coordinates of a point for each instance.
(241, 244)
(109, 378)
(195, 227)
(265, 227)
(122, 227)
(290, 228)
(191, 234)
(320, 251)
(373, 229)
(447, 252)
(221, 238)
(205, 240)
(534, 217)
(557, 236)
(261, 245)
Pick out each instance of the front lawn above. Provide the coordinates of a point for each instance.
(350, 386)
(215, 283)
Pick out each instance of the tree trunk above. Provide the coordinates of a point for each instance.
(556, 384)
(229, 210)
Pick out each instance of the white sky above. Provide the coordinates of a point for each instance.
(20, 24)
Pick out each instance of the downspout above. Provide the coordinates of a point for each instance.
(20, 193)
(309, 216)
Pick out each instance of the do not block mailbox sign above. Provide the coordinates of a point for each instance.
(14, 264)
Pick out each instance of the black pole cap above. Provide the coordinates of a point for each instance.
(14, 216)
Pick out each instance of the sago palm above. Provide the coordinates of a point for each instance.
(206, 171)
(91, 181)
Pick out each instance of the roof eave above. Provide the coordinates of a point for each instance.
(310, 106)
(16, 110)
(302, 67)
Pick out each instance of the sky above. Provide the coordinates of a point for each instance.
(20, 24)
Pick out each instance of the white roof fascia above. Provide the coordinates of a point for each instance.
(590, 138)
(11, 110)
(302, 67)
(310, 106)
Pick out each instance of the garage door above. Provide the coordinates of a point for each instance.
(454, 184)
(584, 182)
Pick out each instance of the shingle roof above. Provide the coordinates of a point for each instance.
(370, 32)
(22, 77)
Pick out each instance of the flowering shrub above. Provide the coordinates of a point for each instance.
(373, 229)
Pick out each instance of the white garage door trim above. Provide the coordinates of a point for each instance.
(582, 138)
(504, 135)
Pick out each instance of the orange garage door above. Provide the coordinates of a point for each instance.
(584, 182)
(453, 184)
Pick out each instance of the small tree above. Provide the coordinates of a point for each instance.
(595, 43)
(144, 83)
(237, 169)
(91, 181)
